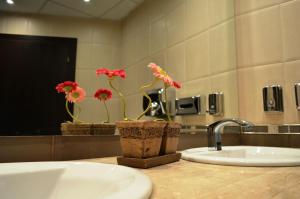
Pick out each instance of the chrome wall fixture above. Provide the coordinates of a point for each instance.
(191, 105)
(216, 103)
(158, 105)
(273, 98)
(272, 102)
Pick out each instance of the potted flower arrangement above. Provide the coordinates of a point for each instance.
(140, 138)
(104, 128)
(73, 94)
(172, 130)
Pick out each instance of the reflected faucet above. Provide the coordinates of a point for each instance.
(157, 109)
(214, 131)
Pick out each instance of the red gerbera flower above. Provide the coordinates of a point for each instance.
(66, 87)
(111, 73)
(103, 94)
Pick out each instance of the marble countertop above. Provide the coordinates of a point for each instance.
(189, 180)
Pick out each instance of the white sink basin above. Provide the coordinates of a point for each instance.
(245, 156)
(72, 180)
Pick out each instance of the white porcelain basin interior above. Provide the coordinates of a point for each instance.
(245, 156)
(72, 180)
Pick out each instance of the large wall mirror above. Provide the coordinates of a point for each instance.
(207, 45)
(193, 40)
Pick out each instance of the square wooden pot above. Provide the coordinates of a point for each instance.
(69, 128)
(141, 139)
(103, 129)
(170, 138)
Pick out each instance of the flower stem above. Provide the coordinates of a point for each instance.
(69, 112)
(167, 105)
(78, 111)
(122, 99)
(142, 89)
(107, 113)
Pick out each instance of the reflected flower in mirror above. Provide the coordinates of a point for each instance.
(76, 95)
(111, 75)
(103, 95)
(73, 94)
(66, 87)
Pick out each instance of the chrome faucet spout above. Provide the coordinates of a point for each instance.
(214, 131)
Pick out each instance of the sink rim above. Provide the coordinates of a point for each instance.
(193, 155)
(134, 188)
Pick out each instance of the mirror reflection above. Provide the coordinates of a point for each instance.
(227, 47)
(193, 40)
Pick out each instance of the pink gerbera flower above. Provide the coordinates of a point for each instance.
(111, 73)
(66, 87)
(103, 94)
(76, 95)
(158, 72)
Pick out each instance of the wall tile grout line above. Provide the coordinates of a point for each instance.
(268, 64)
(259, 9)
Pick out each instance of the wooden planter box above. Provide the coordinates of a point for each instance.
(170, 138)
(103, 129)
(88, 129)
(141, 139)
(75, 128)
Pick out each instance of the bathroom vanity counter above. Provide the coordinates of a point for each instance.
(192, 180)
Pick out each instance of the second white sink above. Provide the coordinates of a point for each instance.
(72, 180)
(245, 156)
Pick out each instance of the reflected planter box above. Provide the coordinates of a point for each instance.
(170, 138)
(141, 139)
(69, 128)
(103, 129)
(88, 129)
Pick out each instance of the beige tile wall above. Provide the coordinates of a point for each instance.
(194, 40)
(268, 52)
(98, 46)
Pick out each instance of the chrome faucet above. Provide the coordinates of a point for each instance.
(214, 131)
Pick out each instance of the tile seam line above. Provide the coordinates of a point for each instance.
(207, 77)
(268, 63)
(262, 8)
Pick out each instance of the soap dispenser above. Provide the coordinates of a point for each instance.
(272, 98)
(216, 103)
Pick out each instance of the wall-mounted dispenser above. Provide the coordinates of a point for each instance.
(216, 103)
(297, 95)
(272, 98)
(191, 105)
(158, 105)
